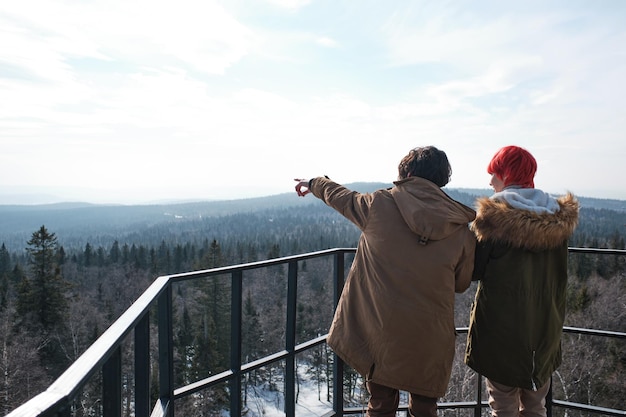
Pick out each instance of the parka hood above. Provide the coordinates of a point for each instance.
(499, 221)
(428, 211)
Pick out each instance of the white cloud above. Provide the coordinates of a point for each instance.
(326, 41)
(289, 4)
(197, 33)
(206, 97)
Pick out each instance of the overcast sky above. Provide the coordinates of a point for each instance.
(133, 101)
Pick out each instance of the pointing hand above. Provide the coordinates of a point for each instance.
(302, 188)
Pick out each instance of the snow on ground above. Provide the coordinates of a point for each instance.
(311, 399)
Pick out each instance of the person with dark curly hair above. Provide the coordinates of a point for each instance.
(394, 323)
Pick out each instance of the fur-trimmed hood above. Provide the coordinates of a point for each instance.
(497, 221)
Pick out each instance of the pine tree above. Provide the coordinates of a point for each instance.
(41, 297)
(88, 255)
(5, 260)
(61, 256)
(41, 304)
(5, 271)
(4, 291)
(115, 252)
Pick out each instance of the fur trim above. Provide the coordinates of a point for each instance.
(498, 222)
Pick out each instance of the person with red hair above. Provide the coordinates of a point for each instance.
(514, 337)
(514, 166)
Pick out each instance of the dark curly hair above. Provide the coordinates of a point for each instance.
(426, 162)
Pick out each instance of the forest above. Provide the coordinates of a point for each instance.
(66, 276)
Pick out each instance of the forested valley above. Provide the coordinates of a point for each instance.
(65, 280)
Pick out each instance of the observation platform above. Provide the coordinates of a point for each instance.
(132, 364)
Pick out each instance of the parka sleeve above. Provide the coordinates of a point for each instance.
(465, 266)
(481, 259)
(353, 205)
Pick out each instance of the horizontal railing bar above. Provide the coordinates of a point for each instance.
(594, 332)
(255, 265)
(203, 383)
(443, 405)
(591, 408)
(310, 343)
(39, 405)
(362, 410)
(250, 366)
(405, 407)
(259, 363)
(576, 330)
(485, 404)
(461, 404)
(599, 251)
(275, 357)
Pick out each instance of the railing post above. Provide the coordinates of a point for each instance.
(479, 395)
(549, 399)
(235, 342)
(166, 355)
(290, 340)
(142, 366)
(112, 385)
(338, 273)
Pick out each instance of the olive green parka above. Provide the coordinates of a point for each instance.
(394, 323)
(518, 312)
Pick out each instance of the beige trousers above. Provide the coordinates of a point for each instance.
(516, 402)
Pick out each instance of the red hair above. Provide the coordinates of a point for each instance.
(514, 166)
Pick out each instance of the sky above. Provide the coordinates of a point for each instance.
(137, 101)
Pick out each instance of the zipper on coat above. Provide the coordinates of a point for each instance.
(532, 381)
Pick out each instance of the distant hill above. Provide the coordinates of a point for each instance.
(90, 221)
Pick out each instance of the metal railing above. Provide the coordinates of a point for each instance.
(105, 354)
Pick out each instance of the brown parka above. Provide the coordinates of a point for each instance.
(394, 322)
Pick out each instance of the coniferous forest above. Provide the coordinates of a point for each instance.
(68, 271)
